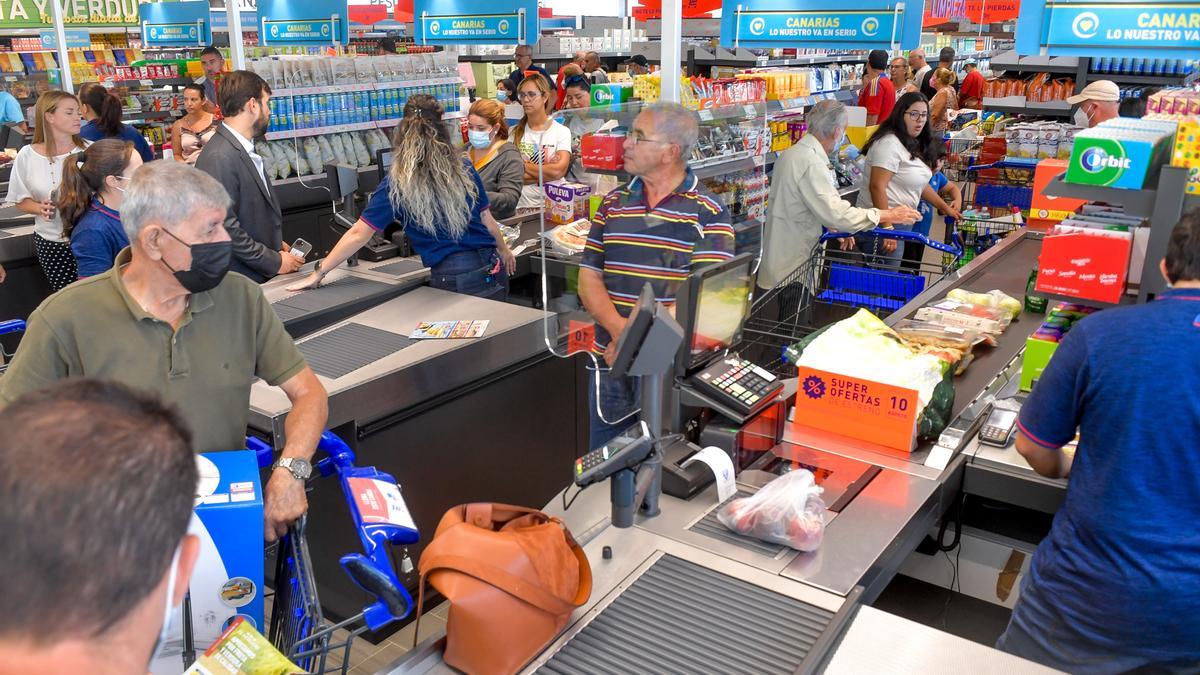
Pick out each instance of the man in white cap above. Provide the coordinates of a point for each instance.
(1099, 101)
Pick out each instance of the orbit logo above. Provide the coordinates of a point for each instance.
(1086, 25)
(814, 387)
(1095, 160)
(435, 27)
(758, 25)
(870, 26)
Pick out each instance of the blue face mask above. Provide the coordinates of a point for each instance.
(502, 96)
(479, 139)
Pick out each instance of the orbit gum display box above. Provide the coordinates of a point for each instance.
(1124, 154)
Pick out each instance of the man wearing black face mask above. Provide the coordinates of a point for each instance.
(168, 320)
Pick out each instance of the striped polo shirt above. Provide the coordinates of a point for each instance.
(631, 243)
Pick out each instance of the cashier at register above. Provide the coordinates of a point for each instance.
(653, 228)
(167, 319)
(1115, 587)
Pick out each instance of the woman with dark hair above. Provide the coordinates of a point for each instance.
(899, 156)
(506, 91)
(90, 202)
(194, 129)
(36, 177)
(102, 112)
(441, 203)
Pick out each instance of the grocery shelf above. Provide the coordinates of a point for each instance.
(1009, 61)
(1129, 78)
(320, 131)
(1137, 203)
(1041, 109)
(367, 86)
(810, 60)
(794, 105)
(149, 115)
(717, 166)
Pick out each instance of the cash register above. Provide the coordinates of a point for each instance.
(712, 307)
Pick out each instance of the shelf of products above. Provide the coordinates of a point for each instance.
(1035, 109)
(1139, 203)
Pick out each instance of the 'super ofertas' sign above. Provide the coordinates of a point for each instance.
(475, 21)
(859, 24)
(40, 13)
(311, 22)
(1076, 28)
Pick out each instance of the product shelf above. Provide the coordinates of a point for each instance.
(1009, 61)
(1138, 203)
(1129, 78)
(366, 86)
(810, 60)
(1039, 109)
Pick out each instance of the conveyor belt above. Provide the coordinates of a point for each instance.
(399, 269)
(711, 527)
(287, 312)
(347, 348)
(346, 289)
(679, 617)
(4, 234)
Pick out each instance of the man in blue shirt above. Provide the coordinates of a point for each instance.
(654, 228)
(1116, 585)
(523, 58)
(10, 109)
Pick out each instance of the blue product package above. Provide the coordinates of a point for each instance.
(227, 581)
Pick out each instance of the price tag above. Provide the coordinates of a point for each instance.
(751, 111)
(380, 502)
(706, 115)
(871, 411)
(582, 336)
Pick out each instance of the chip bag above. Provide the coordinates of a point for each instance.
(787, 511)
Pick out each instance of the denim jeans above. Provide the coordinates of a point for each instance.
(1039, 633)
(619, 396)
(479, 273)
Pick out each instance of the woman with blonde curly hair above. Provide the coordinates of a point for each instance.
(442, 205)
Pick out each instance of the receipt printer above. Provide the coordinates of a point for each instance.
(227, 581)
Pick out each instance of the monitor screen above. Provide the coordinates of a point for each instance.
(721, 306)
(383, 162)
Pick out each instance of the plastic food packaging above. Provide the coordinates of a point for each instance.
(312, 154)
(993, 298)
(787, 511)
(966, 315)
(569, 239)
(327, 156)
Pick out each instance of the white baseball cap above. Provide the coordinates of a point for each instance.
(1100, 90)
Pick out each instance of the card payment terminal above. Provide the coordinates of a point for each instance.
(738, 384)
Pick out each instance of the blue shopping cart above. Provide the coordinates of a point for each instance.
(10, 327)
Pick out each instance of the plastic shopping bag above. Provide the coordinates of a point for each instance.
(787, 511)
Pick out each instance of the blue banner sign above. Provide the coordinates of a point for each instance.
(475, 21)
(76, 37)
(312, 22)
(859, 24)
(176, 24)
(1154, 29)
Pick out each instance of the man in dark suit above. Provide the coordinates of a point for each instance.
(254, 221)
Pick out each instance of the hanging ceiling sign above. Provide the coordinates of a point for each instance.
(1153, 29)
(857, 24)
(475, 22)
(76, 37)
(40, 13)
(938, 12)
(176, 24)
(312, 22)
(692, 9)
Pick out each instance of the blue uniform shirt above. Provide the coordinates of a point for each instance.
(10, 109)
(1120, 569)
(631, 243)
(91, 132)
(97, 239)
(433, 248)
(923, 225)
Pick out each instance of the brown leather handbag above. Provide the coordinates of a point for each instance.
(512, 576)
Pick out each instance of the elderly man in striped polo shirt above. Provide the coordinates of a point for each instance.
(654, 228)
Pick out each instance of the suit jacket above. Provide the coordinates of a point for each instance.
(254, 221)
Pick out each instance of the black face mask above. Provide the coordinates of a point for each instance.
(210, 262)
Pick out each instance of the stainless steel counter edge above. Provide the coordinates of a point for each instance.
(18, 245)
(422, 371)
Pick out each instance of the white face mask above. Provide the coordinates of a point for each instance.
(169, 609)
(1082, 119)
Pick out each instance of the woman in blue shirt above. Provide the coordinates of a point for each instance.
(441, 203)
(102, 113)
(93, 186)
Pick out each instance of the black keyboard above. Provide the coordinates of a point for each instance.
(738, 384)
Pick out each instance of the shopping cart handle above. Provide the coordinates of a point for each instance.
(262, 449)
(899, 235)
(392, 601)
(12, 326)
(339, 455)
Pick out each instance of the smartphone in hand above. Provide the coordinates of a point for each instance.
(301, 249)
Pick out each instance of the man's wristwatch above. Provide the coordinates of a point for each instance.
(299, 468)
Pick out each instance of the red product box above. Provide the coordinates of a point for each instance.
(602, 151)
(1091, 267)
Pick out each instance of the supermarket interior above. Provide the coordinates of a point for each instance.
(640, 335)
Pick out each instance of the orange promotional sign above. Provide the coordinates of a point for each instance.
(870, 411)
(1046, 210)
(581, 337)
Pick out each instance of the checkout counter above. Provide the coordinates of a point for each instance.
(680, 593)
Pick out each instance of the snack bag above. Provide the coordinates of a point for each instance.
(787, 511)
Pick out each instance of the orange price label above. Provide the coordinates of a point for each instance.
(871, 411)
(581, 337)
